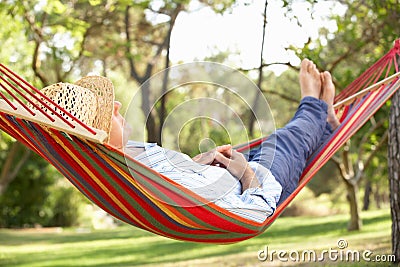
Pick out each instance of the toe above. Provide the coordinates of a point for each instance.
(327, 78)
(328, 92)
(305, 63)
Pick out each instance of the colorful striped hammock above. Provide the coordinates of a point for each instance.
(143, 198)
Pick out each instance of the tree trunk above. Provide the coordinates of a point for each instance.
(351, 179)
(394, 172)
(355, 220)
(13, 164)
(151, 124)
(367, 194)
(153, 134)
(163, 111)
(254, 107)
(378, 197)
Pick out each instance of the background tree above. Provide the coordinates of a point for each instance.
(15, 156)
(394, 172)
(252, 116)
(152, 40)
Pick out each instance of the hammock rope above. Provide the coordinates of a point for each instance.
(29, 96)
(142, 197)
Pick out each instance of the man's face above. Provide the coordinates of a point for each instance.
(120, 130)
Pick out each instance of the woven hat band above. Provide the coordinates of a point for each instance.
(78, 101)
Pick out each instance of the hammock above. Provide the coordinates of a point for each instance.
(143, 198)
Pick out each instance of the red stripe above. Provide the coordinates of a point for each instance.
(142, 203)
(216, 221)
(71, 162)
(204, 214)
(178, 196)
(44, 151)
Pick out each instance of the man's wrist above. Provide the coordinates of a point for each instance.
(249, 179)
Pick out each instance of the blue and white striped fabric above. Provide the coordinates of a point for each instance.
(213, 183)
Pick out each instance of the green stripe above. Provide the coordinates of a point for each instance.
(154, 221)
(144, 171)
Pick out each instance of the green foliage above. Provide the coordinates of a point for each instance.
(202, 135)
(363, 35)
(15, 47)
(38, 196)
(276, 90)
(325, 180)
(24, 201)
(219, 6)
(65, 205)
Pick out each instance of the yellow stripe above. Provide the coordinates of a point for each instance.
(166, 208)
(342, 132)
(15, 129)
(98, 182)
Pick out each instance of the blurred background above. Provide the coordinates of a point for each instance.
(49, 41)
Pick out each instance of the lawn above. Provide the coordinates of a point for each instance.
(128, 246)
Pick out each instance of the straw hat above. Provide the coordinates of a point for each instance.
(103, 89)
(90, 99)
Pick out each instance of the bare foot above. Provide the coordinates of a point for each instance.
(310, 80)
(328, 95)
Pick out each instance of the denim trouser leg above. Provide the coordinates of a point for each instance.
(286, 151)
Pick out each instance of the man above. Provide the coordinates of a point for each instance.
(248, 185)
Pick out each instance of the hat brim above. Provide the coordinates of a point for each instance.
(103, 88)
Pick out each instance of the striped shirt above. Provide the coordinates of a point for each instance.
(213, 183)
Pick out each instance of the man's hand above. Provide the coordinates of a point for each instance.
(234, 161)
(215, 156)
(208, 158)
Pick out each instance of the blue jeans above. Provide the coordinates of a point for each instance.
(285, 152)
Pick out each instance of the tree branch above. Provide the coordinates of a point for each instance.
(133, 71)
(36, 64)
(38, 33)
(346, 165)
(265, 65)
(283, 96)
(368, 134)
(173, 17)
(10, 168)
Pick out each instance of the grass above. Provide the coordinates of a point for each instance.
(128, 246)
